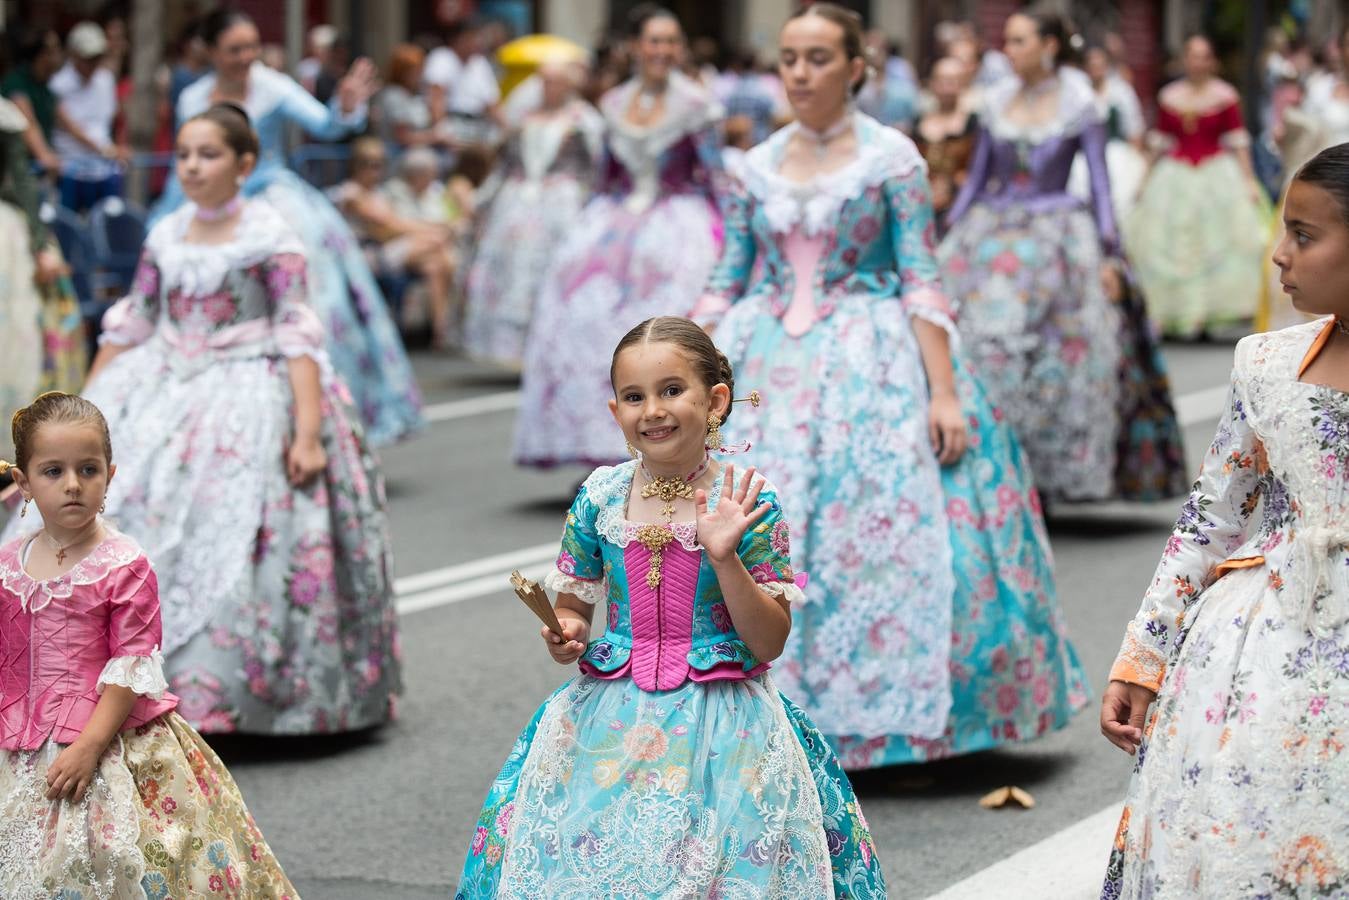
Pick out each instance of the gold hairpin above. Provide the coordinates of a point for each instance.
(753, 399)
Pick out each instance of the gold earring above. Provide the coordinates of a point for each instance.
(23, 511)
(713, 431)
(632, 450)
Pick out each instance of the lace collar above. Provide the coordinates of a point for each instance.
(1180, 98)
(113, 552)
(1077, 109)
(688, 110)
(541, 139)
(882, 153)
(198, 269)
(609, 487)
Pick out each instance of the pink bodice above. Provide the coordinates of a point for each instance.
(803, 254)
(662, 623)
(57, 637)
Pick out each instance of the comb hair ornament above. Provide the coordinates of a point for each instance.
(754, 398)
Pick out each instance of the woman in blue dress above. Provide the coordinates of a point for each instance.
(362, 339)
(931, 627)
(671, 766)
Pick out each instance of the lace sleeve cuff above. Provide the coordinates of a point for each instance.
(1138, 664)
(786, 590)
(587, 591)
(142, 674)
(299, 333)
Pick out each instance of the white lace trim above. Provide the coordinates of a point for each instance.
(113, 552)
(882, 154)
(1076, 110)
(143, 674)
(785, 590)
(200, 269)
(608, 489)
(688, 110)
(591, 592)
(542, 139)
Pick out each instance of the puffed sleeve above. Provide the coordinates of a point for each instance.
(1211, 526)
(132, 319)
(580, 566)
(730, 277)
(913, 234)
(327, 123)
(295, 325)
(766, 552)
(135, 632)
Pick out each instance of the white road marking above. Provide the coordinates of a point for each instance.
(1067, 865)
(473, 406)
(441, 587)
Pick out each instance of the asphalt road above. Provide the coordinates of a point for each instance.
(389, 814)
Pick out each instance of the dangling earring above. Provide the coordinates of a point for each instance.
(713, 431)
(1047, 61)
(23, 511)
(632, 450)
(102, 506)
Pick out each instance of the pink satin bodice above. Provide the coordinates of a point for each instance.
(662, 623)
(56, 637)
(803, 254)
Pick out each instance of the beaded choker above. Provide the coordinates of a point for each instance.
(224, 211)
(668, 489)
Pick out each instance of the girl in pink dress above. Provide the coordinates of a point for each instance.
(105, 792)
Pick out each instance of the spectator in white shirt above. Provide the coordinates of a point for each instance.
(320, 40)
(86, 95)
(468, 80)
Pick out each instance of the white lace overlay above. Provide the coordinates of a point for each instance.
(143, 674)
(815, 204)
(659, 799)
(87, 849)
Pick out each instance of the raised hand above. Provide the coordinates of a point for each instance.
(358, 85)
(720, 529)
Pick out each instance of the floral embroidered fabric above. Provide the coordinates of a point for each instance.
(1243, 633)
(292, 587)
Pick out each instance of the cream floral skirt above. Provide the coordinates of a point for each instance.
(163, 818)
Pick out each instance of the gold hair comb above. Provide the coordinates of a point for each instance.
(753, 399)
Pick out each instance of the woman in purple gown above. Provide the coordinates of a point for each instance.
(1048, 319)
(642, 247)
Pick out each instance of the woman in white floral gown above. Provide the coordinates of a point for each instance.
(1242, 640)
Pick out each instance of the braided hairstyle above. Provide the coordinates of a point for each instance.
(710, 364)
(56, 408)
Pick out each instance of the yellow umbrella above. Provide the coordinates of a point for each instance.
(522, 57)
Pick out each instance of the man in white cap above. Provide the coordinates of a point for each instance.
(86, 95)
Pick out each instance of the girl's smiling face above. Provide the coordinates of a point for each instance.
(1313, 255)
(662, 406)
(67, 473)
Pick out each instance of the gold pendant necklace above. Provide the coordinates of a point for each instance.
(655, 538)
(668, 488)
